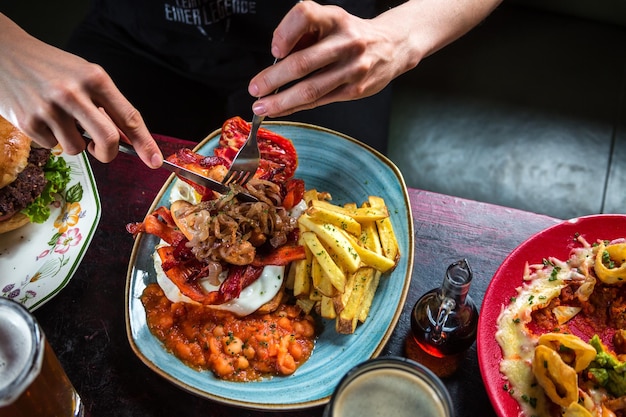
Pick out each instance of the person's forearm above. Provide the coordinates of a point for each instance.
(11, 36)
(8, 26)
(423, 27)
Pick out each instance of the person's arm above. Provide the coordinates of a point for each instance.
(347, 58)
(45, 92)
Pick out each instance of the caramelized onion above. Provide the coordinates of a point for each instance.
(228, 230)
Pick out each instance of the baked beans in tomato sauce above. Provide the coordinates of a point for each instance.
(233, 348)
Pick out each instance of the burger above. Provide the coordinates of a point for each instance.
(30, 176)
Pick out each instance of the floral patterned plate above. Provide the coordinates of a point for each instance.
(38, 260)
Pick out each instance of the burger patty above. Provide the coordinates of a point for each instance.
(27, 186)
(39, 156)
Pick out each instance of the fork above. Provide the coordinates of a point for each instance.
(246, 161)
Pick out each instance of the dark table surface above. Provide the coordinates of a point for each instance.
(86, 327)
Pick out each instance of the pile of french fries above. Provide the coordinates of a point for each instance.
(348, 249)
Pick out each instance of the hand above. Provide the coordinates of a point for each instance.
(337, 57)
(46, 92)
(330, 55)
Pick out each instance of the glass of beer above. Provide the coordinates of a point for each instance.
(391, 386)
(32, 381)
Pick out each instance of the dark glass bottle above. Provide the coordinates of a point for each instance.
(444, 322)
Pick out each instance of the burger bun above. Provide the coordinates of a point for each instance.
(14, 222)
(14, 151)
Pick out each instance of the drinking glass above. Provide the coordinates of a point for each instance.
(390, 386)
(32, 381)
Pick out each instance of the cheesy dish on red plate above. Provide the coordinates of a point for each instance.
(563, 335)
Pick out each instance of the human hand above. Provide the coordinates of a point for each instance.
(335, 55)
(330, 55)
(45, 92)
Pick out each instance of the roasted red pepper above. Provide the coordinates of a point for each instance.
(279, 159)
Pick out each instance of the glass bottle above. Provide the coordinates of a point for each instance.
(444, 322)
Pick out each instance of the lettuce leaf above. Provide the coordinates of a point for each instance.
(57, 172)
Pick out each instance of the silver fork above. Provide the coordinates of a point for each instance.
(246, 161)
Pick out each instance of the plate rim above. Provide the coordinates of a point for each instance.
(386, 335)
(88, 178)
(487, 346)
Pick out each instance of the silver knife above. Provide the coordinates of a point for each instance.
(183, 172)
(193, 176)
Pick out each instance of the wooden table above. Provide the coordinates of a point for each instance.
(85, 321)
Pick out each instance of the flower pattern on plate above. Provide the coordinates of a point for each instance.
(38, 260)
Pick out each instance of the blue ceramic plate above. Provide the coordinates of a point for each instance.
(350, 171)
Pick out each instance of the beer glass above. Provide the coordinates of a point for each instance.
(32, 381)
(391, 386)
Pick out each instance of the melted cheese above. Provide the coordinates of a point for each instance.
(541, 285)
(518, 344)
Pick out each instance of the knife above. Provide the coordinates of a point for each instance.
(186, 173)
(193, 176)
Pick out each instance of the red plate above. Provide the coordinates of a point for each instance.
(555, 241)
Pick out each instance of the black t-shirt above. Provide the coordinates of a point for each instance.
(216, 42)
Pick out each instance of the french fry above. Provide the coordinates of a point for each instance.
(347, 320)
(327, 309)
(330, 268)
(320, 280)
(313, 194)
(306, 304)
(335, 240)
(360, 214)
(291, 274)
(369, 236)
(368, 297)
(315, 295)
(385, 231)
(348, 249)
(341, 300)
(302, 269)
(340, 220)
(371, 258)
(302, 273)
(302, 278)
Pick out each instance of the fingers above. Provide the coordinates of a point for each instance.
(322, 48)
(50, 127)
(133, 130)
(295, 41)
(46, 91)
(301, 27)
(116, 118)
(317, 71)
(103, 133)
(322, 88)
(129, 127)
(318, 82)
